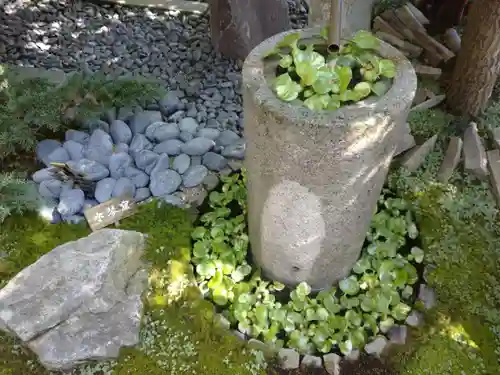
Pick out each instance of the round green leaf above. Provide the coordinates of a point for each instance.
(400, 311)
(345, 75)
(317, 102)
(363, 89)
(365, 40)
(206, 269)
(418, 254)
(386, 325)
(362, 265)
(286, 89)
(350, 285)
(198, 233)
(387, 68)
(220, 296)
(286, 61)
(380, 88)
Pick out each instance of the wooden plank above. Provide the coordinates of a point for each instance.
(427, 71)
(110, 212)
(418, 14)
(405, 15)
(379, 24)
(414, 50)
(391, 18)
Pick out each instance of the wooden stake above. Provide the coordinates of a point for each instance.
(427, 71)
(405, 15)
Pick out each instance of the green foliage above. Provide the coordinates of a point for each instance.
(328, 80)
(426, 123)
(35, 107)
(370, 300)
(381, 6)
(17, 195)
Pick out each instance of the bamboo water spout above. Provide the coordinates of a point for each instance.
(335, 25)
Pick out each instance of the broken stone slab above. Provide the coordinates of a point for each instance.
(415, 319)
(332, 363)
(353, 356)
(451, 159)
(289, 359)
(407, 142)
(427, 295)
(494, 167)
(397, 335)
(81, 301)
(377, 346)
(237, 26)
(495, 134)
(430, 103)
(311, 361)
(475, 161)
(414, 158)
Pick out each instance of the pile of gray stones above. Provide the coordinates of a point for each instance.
(181, 143)
(139, 153)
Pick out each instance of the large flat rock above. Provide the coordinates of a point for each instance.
(81, 301)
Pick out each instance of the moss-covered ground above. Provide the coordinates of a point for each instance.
(460, 233)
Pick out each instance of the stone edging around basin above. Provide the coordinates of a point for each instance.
(290, 359)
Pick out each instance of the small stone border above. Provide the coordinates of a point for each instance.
(290, 359)
(171, 5)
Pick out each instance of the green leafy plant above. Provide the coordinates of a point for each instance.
(327, 80)
(377, 294)
(32, 108)
(17, 195)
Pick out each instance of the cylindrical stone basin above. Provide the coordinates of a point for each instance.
(314, 177)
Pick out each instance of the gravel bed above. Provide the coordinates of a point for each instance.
(170, 46)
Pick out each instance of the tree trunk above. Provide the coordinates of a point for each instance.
(478, 62)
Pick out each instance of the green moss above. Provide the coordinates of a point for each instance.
(441, 348)
(179, 335)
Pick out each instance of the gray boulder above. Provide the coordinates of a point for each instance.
(50, 188)
(209, 133)
(226, 138)
(104, 189)
(140, 143)
(75, 150)
(138, 177)
(214, 162)
(197, 146)
(92, 170)
(76, 136)
(189, 125)
(100, 147)
(120, 132)
(141, 120)
(122, 147)
(236, 150)
(162, 164)
(171, 147)
(59, 155)
(185, 136)
(181, 163)
(161, 131)
(124, 187)
(142, 194)
(194, 176)
(44, 149)
(79, 302)
(145, 159)
(164, 182)
(170, 104)
(71, 202)
(118, 163)
(42, 175)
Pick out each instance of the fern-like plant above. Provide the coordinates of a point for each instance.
(17, 195)
(34, 108)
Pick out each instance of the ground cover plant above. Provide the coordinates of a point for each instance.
(377, 295)
(324, 79)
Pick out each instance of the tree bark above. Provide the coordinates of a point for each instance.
(478, 62)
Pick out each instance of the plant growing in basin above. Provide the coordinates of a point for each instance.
(321, 78)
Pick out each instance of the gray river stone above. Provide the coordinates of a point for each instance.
(76, 136)
(120, 132)
(99, 147)
(170, 146)
(104, 189)
(118, 163)
(194, 175)
(182, 163)
(75, 150)
(92, 170)
(71, 202)
(197, 146)
(164, 182)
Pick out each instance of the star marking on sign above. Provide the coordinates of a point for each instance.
(111, 211)
(99, 217)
